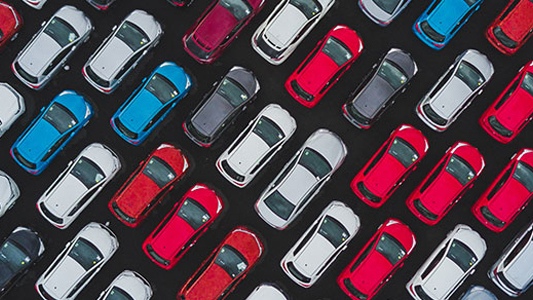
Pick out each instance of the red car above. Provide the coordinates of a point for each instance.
(508, 195)
(180, 3)
(513, 109)
(229, 263)
(182, 226)
(453, 175)
(323, 67)
(513, 27)
(148, 184)
(218, 27)
(388, 168)
(10, 23)
(377, 261)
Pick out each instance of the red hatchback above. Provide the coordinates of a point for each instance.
(323, 67)
(10, 23)
(227, 265)
(388, 168)
(182, 226)
(218, 27)
(508, 195)
(453, 175)
(377, 261)
(513, 109)
(148, 184)
(513, 27)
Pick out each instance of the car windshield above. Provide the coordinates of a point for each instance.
(403, 152)
(392, 74)
(117, 293)
(85, 253)
(390, 248)
(13, 257)
(61, 31)
(162, 88)
(60, 117)
(279, 205)
(238, 8)
(470, 2)
(503, 38)
(193, 213)
(437, 37)
(461, 255)
(315, 163)
(337, 51)
(1, 34)
(308, 7)
(524, 174)
(132, 36)
(469, 75)
(87, 172)
(333, 231)
(387, 5)
(232, 92)
(268, 131)
(527, 83)
(159, 171)
(460, 170)
(231, 261)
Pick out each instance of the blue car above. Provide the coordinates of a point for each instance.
(50, 132)
(442, 19)
(151, 102)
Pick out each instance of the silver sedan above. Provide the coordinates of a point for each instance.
(127, 285)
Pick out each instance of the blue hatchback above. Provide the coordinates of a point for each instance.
(55, 126)
(151, 102)
(442, 19)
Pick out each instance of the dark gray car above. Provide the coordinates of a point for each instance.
(229, 97)
(377, 92)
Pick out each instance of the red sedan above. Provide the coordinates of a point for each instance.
(377, 261)
(218, 27)
(182, 226)
(148, 184)
(453, 175)
(513, 27)
(10, 23)
(229, 263)
(508, 195)
(513, 109)
(388, 168)
(323, 67)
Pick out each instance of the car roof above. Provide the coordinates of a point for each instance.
(518, 23)
(447, 14)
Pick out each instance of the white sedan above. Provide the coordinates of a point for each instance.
(127, 285)
(11, 106)
(9, 193)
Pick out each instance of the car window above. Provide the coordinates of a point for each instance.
(433, 264)
(470, 2)
(54, 147)
(117, 293)
(460, 169)
(461, 255)
(61, 31)
(231, 261)
(392, 74)
(333, 231)
(279, 205)
(527, 83)
(60, 117)
(232, 91)
(128, 65)
(132, 36)
(524, 174)
(315, 163)
(159, 171)
(308, 7)
(268, 131)
(193, 213)
(13, 258)
(238, 8)
(1, 34)
(337, 51)
(389, 6)
(431, 33)
(469, 75)
(403, 152)
(85, 253)
(57, 60)
(87, 172)
(390, 248)
(504, 38)
(162, 88)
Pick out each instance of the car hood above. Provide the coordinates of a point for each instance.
(374, 268)
(35, 60)
(134, 198)
(66, 195)
(519, 273)
(451, 98)
(38, 140)
(443, 279)
(515, 110)
(317, 252)
(113, 56)
(370, 100)
(140, 110)
(251, 150)
(438, 196)
(172, 237)
(285, 26)
(297, 184)
(214, 28)
(212, 114)
(384, 175)
(64, 277)
(317, 73)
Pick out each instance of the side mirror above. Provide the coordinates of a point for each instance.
(114, 27)
(42, 24)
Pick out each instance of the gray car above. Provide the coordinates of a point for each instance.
(477, 292)
(122, 50)
(12, 106)
(382, 12)
(378, 91)
(52, 46)
(455, 90)
(221, 107)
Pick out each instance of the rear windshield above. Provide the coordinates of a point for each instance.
(132, 36)
(61, 31)
(434, 35)
(337, 51)
(279, 205)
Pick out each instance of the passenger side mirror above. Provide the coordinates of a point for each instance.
(42, 24)
(114, 27)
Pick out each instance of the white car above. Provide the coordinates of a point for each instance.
(12, 106)
(122, 50)
(382, 12)
(267, 291)
(37, 4)
(9, 193)
(256, 145)
(287, 26)
(320, 245)
(78, 263)
(78, 185)
(455, 90)
(449, 265)
(128, 285)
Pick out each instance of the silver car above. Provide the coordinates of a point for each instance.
(477, 292)
(320, 245)
(9, 192)
(122, 50)
(270, 291)
(52, 46)
(301, 179)
(256, 145)
(78, 263)
(287, 26)
(75, 188)
(382, 12)
(127, 285)
(455, 90)
(449, 265)
(12, 106)
(513, 272)
(37, 4)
